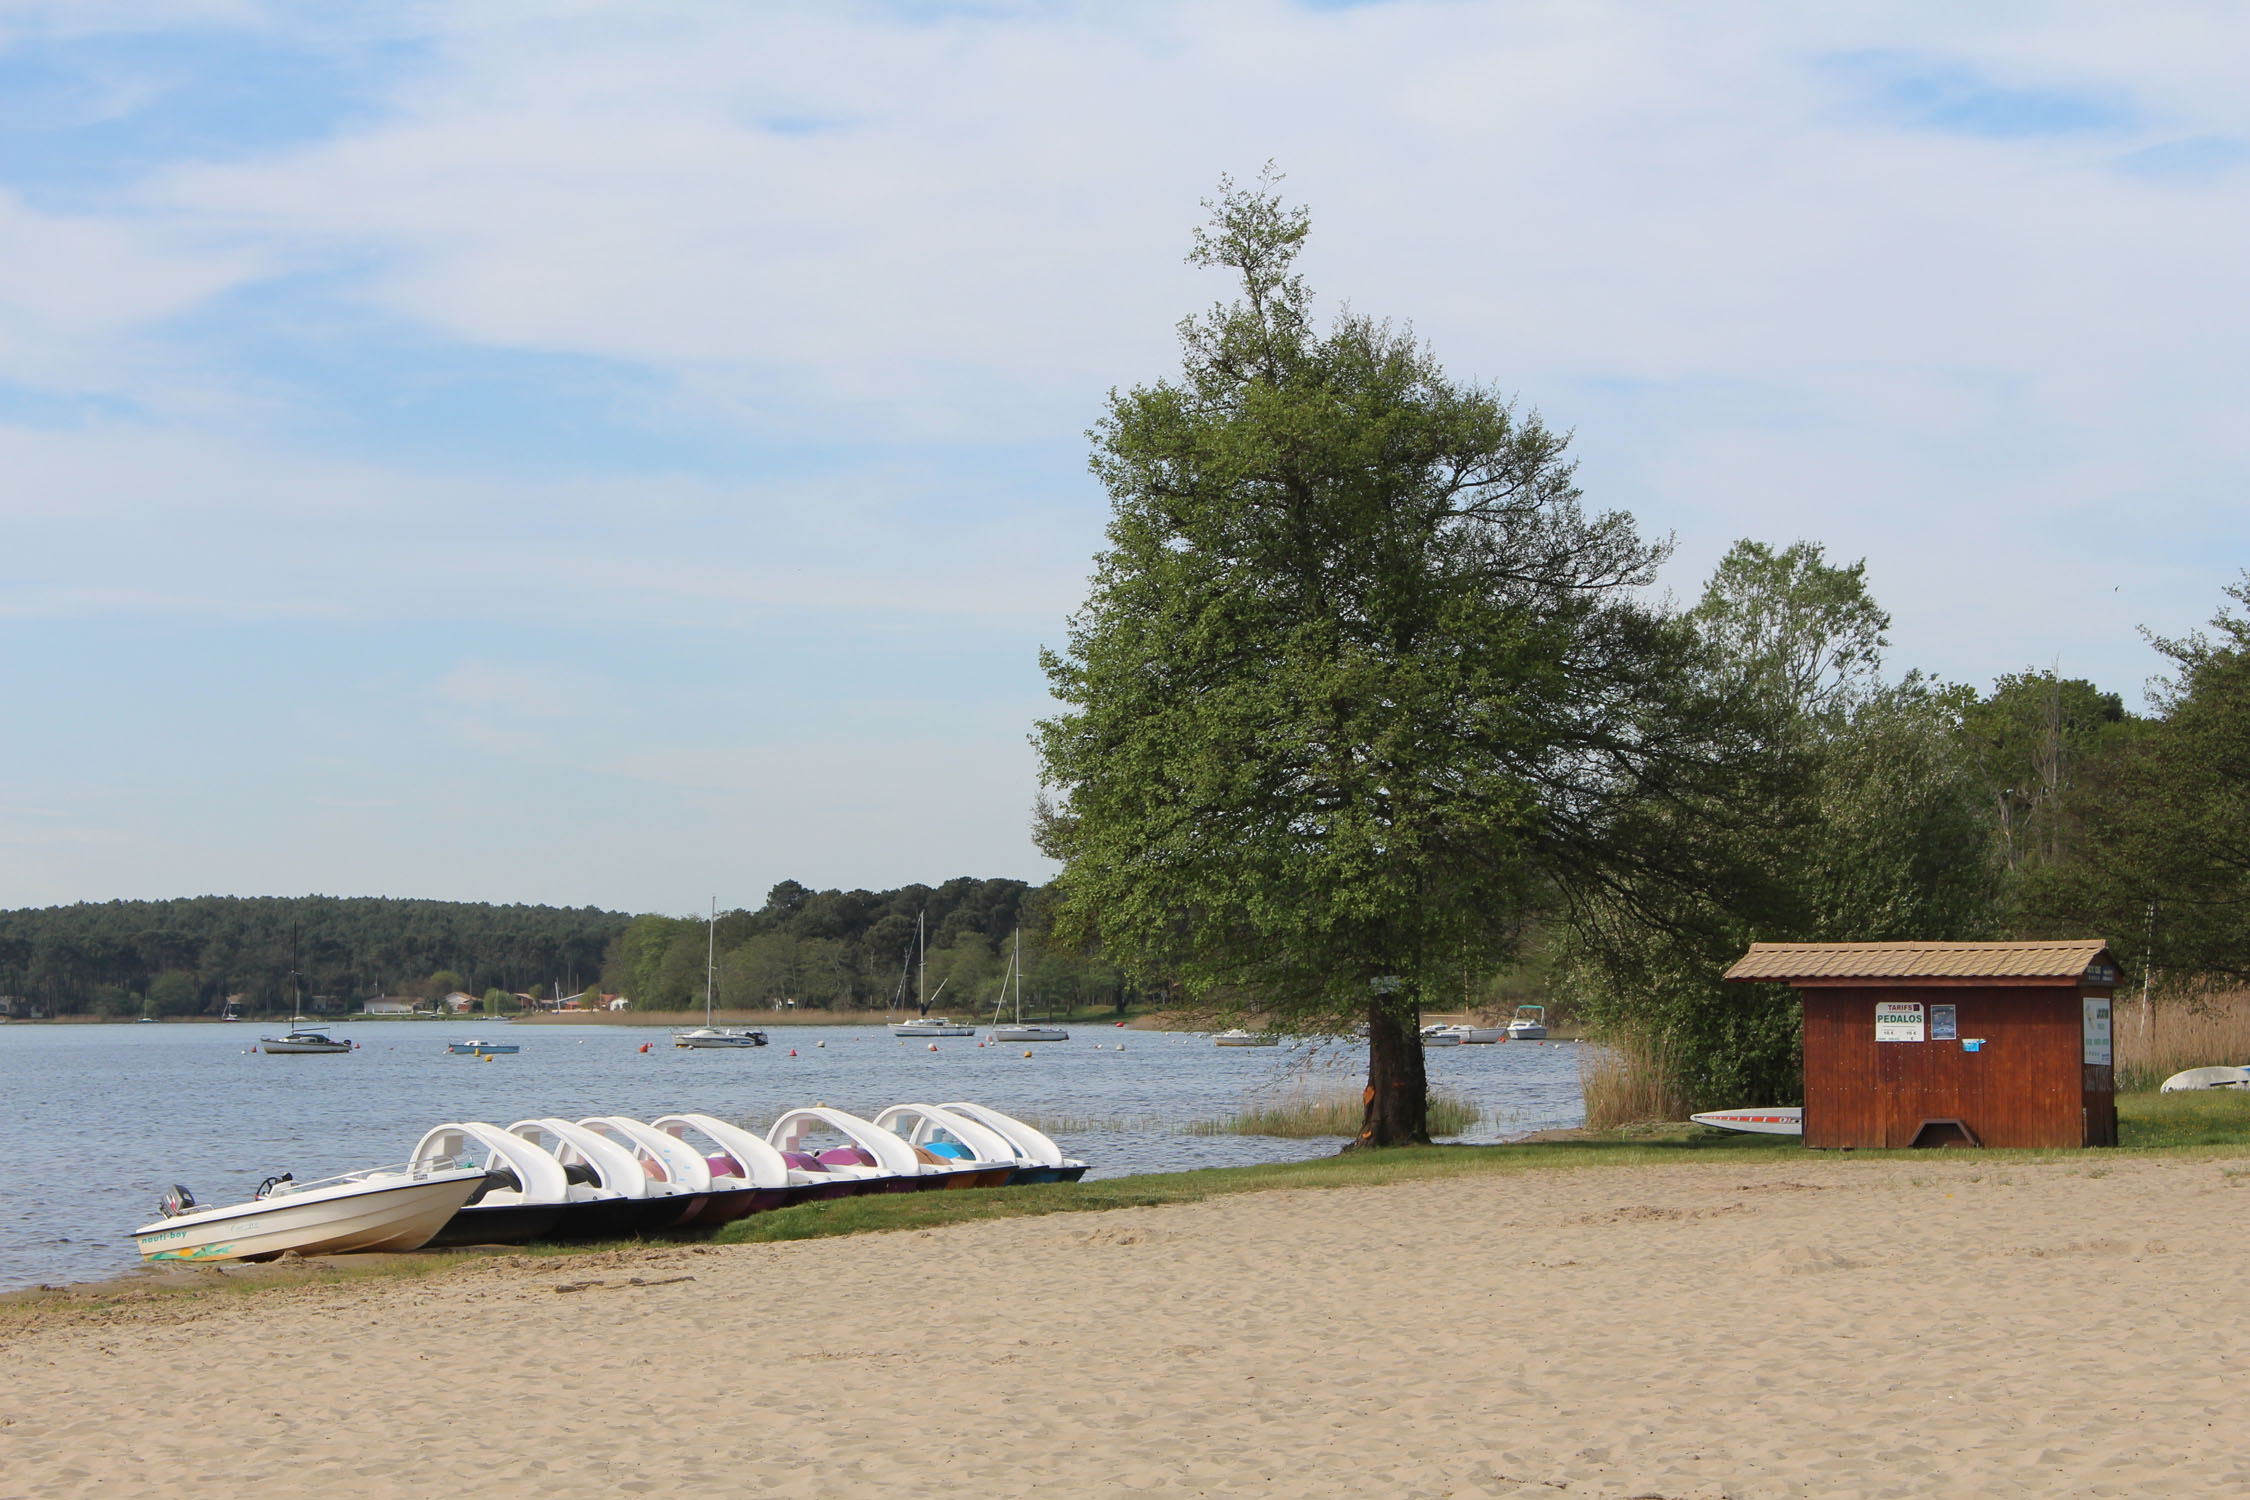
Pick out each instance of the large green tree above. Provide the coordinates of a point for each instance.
(1359, 683)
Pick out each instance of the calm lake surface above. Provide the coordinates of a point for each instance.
(102, 1119)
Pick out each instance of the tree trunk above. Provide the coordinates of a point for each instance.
(1398, 1093)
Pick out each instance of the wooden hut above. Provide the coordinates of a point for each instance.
(1981, 1044)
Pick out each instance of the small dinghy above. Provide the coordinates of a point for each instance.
(382, 1208)
(1773, 1119)
(1240, 1038)
(1033, 1145)
(481, 1049)
(2206, 1078)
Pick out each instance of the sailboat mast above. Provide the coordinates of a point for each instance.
(921, 966)
(1017, 965)
(710, 958)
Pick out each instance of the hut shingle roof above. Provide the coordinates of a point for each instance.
(2058, 959)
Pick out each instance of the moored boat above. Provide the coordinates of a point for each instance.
(1240, 1038)
(1530, 1024)
(382, 1208)
(1440, 1036)
(932, 1026)
(474, 1048)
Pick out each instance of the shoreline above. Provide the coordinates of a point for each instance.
(1957, 1324)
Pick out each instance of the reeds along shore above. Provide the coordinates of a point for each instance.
(2168, 1036)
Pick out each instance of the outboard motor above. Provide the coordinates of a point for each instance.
(176, 1202)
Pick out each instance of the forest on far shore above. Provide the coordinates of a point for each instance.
(837, 950)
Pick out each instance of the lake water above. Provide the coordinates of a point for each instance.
(102, 1119)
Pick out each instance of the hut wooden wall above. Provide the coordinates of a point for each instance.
(2029, 1086)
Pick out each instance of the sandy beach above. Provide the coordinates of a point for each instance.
(1821, 1326)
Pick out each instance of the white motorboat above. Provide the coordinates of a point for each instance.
(1530, 1024)
(1017, 1030)
(474, 1048)
(382, 1208)
(1030, 1143)
(1440, 1036)
(1772, 1119)
(718, 1036)
(932, 1026)
(2206, 1078)
(1478, 1036)
(1240, 1038)
(709, 1034)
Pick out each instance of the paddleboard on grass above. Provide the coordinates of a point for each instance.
(1774, 1119)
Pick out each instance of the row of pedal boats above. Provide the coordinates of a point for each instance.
(609, 1177)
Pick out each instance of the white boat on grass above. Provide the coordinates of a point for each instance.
(2206, 1078)
(1240, 1038)
(382, 1208)
(1771, 1119)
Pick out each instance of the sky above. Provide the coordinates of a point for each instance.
(630, 454)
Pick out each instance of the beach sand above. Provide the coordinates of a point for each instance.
(1821, 1326)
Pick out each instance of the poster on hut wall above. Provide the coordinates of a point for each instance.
(1898, 1020)
(2097, 1033)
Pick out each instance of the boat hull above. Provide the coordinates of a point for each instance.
(478, 1049)
(1030, 1034)
(910, 1031)
(282, 1047)
(400, 1216)
(499, 1224)
(718, 1040)
(1779, 1119)
(1245, 1039)
(623, 1218)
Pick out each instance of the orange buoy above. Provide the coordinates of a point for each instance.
(933, 1046)
(644, 1046)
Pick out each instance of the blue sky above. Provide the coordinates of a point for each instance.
(626, 454)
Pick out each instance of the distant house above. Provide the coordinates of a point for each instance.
(617, 1002)
(390, 1008)
(461, 1002)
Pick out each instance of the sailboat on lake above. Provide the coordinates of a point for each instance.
(708, 1035)
(300, 1038)
(1018, 1031)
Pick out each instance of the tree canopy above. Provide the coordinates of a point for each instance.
(1360, 682)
